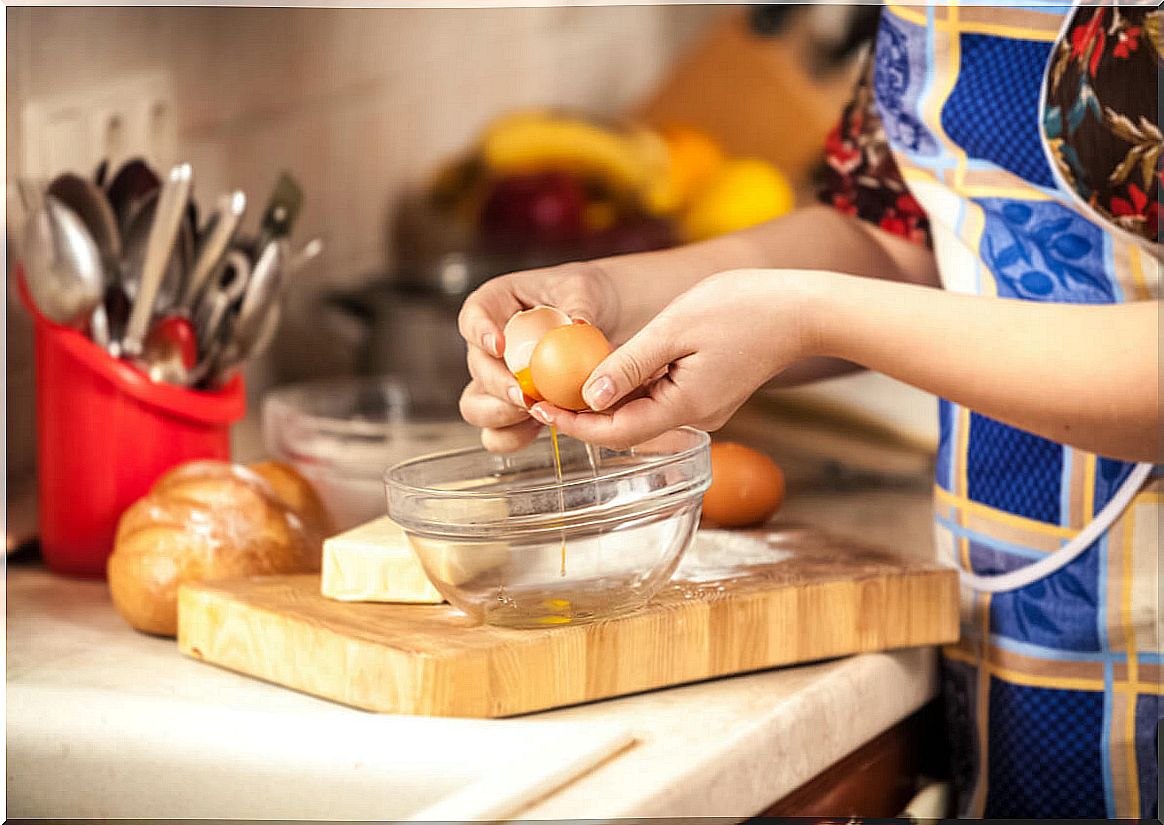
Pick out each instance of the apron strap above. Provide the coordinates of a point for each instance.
(1069, 551)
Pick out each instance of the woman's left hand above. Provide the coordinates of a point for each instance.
(695, 363)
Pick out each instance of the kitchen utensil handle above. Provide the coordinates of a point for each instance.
(240, 265)
(207, 366)
(168, 217)
(99, 326)
(222, 297)
(227, 219)
(304, 256)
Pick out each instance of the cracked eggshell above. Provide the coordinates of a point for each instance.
(525, 329)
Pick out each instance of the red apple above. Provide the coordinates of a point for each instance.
(544, 208)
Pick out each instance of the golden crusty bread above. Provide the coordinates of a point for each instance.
(204, 520)
(298, 494)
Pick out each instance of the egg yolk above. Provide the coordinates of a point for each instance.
(525, 381)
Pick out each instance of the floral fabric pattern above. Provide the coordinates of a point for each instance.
(862, 178)
(1044, 252)
(896, 89)
(1102, 127)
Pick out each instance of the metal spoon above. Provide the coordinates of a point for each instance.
(226, 358)
(268, 324)
(63, 265)
(168, 216)
(89, 203)
(85, 199)
(133, 181)
(267, 330)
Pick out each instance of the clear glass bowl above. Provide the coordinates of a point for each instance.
(508, 545)
(342, 434)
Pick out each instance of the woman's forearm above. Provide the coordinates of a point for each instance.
(1087, 376)
(815, 237)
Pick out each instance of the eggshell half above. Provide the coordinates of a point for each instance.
(525, 329)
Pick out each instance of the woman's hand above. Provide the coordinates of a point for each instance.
(1087, 376)
(621, 295)
(493, 399)
(695, 363)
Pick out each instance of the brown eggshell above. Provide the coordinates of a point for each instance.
(747, 487)
(524, 330)
(563, 360)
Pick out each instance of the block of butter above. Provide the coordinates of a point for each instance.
(374, 563)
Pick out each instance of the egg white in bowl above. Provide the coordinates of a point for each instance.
(506, 544)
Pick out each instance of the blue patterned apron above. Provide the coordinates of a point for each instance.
(1053, 694)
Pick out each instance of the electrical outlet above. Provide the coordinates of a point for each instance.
(129, 117)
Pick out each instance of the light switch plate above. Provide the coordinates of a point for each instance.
(128, 117)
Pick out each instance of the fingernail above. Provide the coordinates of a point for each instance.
(490, 342)
(516, 397)
(540, 414)
(599, 393)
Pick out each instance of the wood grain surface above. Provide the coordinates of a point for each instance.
(829, 598)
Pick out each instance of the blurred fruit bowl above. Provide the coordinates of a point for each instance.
(568, 186)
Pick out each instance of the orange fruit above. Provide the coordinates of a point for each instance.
(693, 157)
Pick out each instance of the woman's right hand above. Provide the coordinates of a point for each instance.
(493, 400)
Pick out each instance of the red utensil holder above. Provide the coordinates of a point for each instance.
(105, 433)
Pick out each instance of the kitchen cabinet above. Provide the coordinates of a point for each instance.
(755, 96)
(878, 779)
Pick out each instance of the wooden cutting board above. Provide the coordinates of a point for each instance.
(807, 596)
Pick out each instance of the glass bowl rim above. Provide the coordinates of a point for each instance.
(703, 442)
(283, 397)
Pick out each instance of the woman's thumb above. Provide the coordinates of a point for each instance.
(627, 368)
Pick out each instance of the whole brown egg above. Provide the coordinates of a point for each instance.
(562, 361)
(747, 487)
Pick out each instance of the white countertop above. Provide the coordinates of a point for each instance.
(106, 722)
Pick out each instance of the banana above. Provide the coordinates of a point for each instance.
(632, 160)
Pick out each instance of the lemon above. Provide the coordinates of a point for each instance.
(743, 192)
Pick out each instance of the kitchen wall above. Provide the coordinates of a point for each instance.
(357, 103)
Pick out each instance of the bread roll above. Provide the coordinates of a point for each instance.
(203, 520)
(298, 494)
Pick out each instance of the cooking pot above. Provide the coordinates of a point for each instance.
(406, 330)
